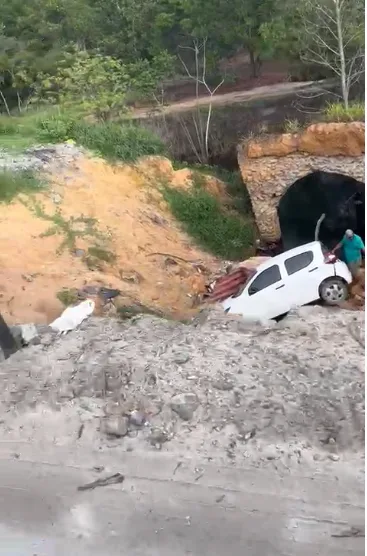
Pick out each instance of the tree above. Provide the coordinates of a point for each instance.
(333, 38)
(235, 24)
(202, 128)
(328, 34)
(99, 84)
(95, 82)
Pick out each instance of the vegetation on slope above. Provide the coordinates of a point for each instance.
(225, 231)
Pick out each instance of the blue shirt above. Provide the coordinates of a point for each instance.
(352, 248)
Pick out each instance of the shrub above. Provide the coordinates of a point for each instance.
(217, 231)
(336, 112)
(292, 126)
(126, 142)
(55, 128)
(113, 141)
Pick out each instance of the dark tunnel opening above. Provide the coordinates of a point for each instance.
(341, 198)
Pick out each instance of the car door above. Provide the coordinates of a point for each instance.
(305, 272)
(263, 298)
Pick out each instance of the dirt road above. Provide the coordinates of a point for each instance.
(258, 93)
(160, 510)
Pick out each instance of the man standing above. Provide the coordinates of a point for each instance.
(353, 247)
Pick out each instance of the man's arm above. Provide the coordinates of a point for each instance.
(337, 246)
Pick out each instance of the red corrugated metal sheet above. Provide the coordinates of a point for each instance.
(230, 284)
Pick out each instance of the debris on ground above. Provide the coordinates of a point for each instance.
(115, 479)
(352, 532)
(73, 317)
(25, 334)
(233, 391)
(233, 281)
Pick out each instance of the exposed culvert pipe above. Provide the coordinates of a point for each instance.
(318, 226)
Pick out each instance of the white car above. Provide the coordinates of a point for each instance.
(294, 278)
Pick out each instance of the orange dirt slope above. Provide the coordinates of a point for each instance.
(132, 222)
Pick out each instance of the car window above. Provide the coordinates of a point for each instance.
(264, 279)
(298, 262)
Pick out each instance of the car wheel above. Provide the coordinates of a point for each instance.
(333, 291)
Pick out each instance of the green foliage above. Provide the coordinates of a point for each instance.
(55, 128)
(236, 190)
(70, 229)
(96, 83)
(292, 126)
(222, 233)
(125, 142)
(122, 141)
(68, 296)
(12, 183)
(97, 255)
(337, 112)
(233, 25)
(102, 53)
(145, 75)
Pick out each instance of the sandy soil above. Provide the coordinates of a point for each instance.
(132, 222)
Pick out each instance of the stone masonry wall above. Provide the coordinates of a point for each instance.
(271, 165)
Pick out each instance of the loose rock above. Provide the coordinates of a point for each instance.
(223, 384)
(137, 418)
(181, 358)
(185, 405)
(116, 426)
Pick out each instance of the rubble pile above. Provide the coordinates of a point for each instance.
(219, 387)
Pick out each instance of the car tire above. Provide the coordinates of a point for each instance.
(333, 291)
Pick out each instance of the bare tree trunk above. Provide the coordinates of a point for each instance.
(203, 135)
(343, 69)
(19, 103)
(255, 62)
(5, 103)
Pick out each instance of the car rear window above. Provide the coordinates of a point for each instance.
(265, 278)
(298, 262)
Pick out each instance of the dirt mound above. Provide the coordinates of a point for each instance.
(98, 224)
(356, 300)
(223, 388)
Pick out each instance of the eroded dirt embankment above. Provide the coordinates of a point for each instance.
(98, 224)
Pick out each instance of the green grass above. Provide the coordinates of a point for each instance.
(124, 142)
(68, 296)
(71, 229)
(216, 230)
(14, 182)
(292, 126)
(114, 141)
(239, 197)
(336, 112)
(97, 255)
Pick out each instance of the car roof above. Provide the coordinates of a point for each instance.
(287, 254)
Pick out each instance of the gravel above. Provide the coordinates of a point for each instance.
(247, 392)
(41, 158)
